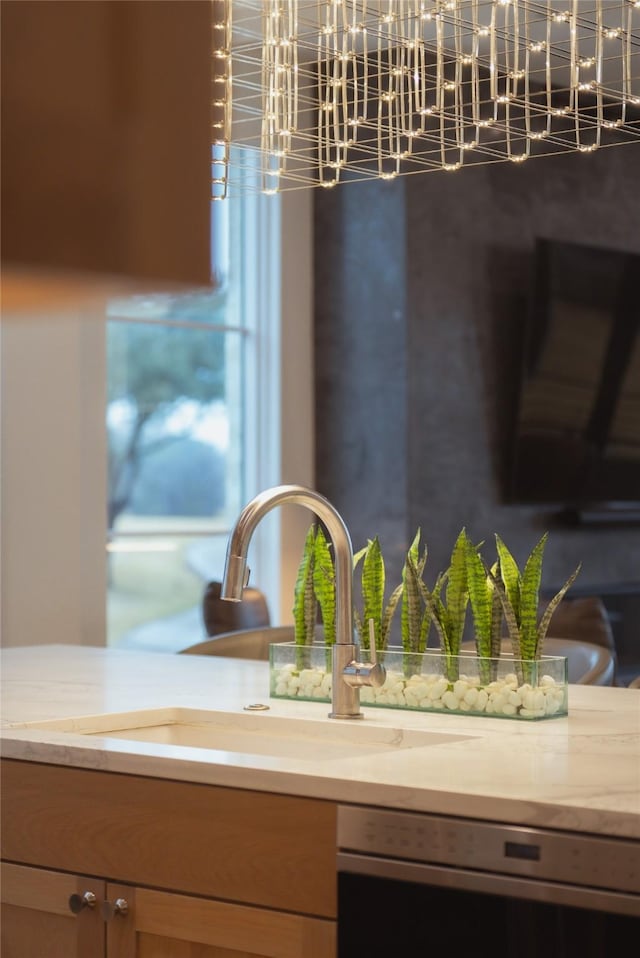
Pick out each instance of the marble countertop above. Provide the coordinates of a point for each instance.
(579, 773)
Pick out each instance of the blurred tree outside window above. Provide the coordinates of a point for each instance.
(177, 448)
(174, 427)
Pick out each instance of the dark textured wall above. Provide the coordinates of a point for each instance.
(362, 380)
(421, 286)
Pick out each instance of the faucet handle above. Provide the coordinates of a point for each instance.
(372, 674)
(373, 655)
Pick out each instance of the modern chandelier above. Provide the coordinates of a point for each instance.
(317, 92)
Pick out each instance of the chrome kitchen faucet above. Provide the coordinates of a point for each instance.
(348, 674)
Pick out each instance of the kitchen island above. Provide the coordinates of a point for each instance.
(183, 828)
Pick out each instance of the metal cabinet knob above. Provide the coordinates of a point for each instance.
(109, 909)
(78, 902)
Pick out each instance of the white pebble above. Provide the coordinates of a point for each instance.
(460, 687)
(531, 713)
(471, 697)
(451, 700)
(310, 677)
(437, 690)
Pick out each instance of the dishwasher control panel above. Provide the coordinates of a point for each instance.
(588, 860)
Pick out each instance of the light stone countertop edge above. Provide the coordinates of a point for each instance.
(580, 773)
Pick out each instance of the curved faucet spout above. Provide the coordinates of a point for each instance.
(236, 574)
(347, 673)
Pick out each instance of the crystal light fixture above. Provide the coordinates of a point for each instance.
(326, 91)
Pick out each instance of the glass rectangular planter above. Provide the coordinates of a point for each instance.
(429, 682)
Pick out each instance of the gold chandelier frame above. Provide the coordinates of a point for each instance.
(317, 92)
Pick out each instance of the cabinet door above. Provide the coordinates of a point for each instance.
(160, 924)
(105, 137)
(38, 920)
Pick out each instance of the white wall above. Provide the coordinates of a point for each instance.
(53, 474)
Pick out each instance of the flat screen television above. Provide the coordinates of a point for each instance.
(577, 436)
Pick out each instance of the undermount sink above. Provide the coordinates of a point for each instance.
(250, 733)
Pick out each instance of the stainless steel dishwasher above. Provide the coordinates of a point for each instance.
(451, 886)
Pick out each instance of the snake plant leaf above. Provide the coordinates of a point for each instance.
(497, 615)
(510, 575)
(324, 584)
(440, 581)
(421, 560)
(433, 602)
(551, 608)
(373, 579)
(304, 600)
(481, 594)
(509, 614)
(359, 555)
(457, 593)
(358, 621)
(411, 613)
(412, 606)
(387, 616)
(529, 592)
(372, 590)
(425, 629)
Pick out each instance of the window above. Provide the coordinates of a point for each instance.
(54, 569)
(194, 430)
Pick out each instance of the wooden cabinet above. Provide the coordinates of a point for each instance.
(128, 922)
(37, 918)
(206, 872)
(106, 137)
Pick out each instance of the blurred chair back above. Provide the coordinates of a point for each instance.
(243, 643)
(584, 620)
(220, 616)
(587, 664)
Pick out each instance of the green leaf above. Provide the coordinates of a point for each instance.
(373, 587)
(551, 608)
(388, 614)
(434, 604)
(412, 606)
(510, 575)
(509, 613)
(497, 615)
(324, 584)
(359, 555)
(529, 592)
(481, 594)
(304, 602)
(457, 593)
